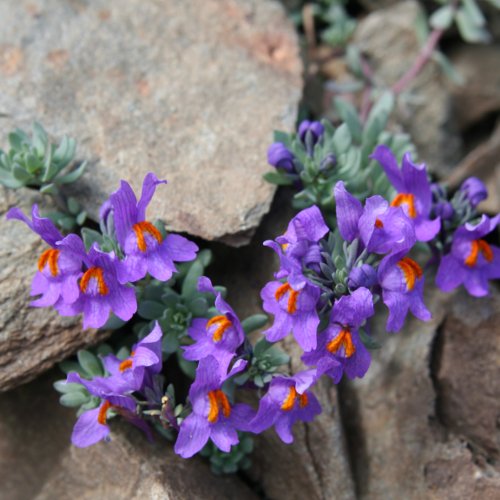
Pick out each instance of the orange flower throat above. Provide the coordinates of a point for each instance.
(50, 258)
(218, 402)
(291, 306)
(94, 273)
(478, 246)
(222, 325)
(405, 199)
(101, 416)
(343, 339)
(145, 227)
(292, 398)
(411, 272)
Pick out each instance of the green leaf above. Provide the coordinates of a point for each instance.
(254, 322)
(448, 68)
(40, 139)
(282, 137)
(190, 283)
(170, 343)
(73, 399)
(495, 3)
(90, 237)
(49, 189)
(90, 363)
(350, 116)
(63, 387)
(342, 139)
(205, 257)
(9, 181)
(81, 218)
(368, 341)
(188, 367)
(473, 12)
(73, 176)
(469, 31)
(20, 174)
(442, 18)
(261, 347)
(71, 366)
(198, 307)
(150, 310)
(278, 178)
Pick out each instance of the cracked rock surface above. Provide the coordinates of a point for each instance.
(31, 339)
(191, 90)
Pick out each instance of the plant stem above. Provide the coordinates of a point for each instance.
(419, 64)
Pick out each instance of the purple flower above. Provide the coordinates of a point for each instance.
(213, 416)
(414, 191)
(298, 247)
(294, 311)
(339, 347)
(91, 426)
(402, 282)
(472, 261)
(145, 359)
(58, 270)
(474, 191)
(444, 210)
(280, 157)
(362, 276)
(382, 228)
(286, 401)
(144, 246)
(100, 290)
(312, 129)
(219, 336)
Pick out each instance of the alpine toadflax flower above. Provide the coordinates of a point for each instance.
(294, 312)
(280, 157)
(402, 283)
(145, 359)
(414, 191)
(58, 270)
(219, 336)
(287, 401)
(472, 261)
(340, 349)
(100, 290)
(381, 228)
(91, 426)
(214, 416)
(145, 248)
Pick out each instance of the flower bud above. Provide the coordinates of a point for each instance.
(474, 190)
(362, 276)
(444, 209)
(280, 157)
(315, 130)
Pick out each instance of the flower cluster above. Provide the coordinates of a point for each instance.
(332, 271)
(95, 282)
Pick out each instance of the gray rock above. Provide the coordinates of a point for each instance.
(401, 447)
(388, 38)
(468, 375)
(31, 339)
(191, 90)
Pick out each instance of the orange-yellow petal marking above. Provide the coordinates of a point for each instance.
(145, 227)
(411, 272)
(49, 257)
(291, 306)
(222, 325)
(97, 274)
(126, 363)
(292, 398)
(218, 402)
(343, 339)
(101, 417)
(478, 246)
(379, 224)
(405, 199)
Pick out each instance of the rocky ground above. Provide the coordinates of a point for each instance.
(193, 90)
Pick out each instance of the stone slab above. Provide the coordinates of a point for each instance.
(191, 90)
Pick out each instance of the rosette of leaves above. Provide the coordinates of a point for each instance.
(265, 359)
(37, 162)
(342, 153)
